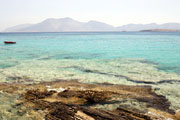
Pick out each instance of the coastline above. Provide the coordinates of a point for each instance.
(119, 76)
(82, 100)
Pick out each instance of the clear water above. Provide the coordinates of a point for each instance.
(151, 58)
(160, 48)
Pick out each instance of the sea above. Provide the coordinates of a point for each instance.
(128, 58)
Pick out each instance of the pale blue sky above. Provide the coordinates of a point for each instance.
(115, 12)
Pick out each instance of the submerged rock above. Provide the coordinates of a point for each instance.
(37, 101)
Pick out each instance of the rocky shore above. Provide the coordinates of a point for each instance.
(72, 100)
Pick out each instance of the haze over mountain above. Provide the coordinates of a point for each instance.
(70, 25)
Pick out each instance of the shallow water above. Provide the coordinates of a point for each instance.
(160, 48)
(132, 58)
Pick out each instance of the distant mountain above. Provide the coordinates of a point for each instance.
(98, 26)
(62, 25)
(137, 27)
(18, 27)
(140, 27)
(70, 25)
(160, 30)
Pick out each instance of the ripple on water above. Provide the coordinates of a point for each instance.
(117, 71)
(6, 64)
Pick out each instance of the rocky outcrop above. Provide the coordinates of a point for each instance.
(62, 111)
(71, 100)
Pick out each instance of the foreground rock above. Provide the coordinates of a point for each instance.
(60, 110)
(71, 100)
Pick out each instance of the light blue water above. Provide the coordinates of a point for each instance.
(160, 48)
(130, 58)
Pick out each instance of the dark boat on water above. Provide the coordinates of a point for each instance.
(9, 42)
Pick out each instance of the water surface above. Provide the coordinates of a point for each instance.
(132, 58)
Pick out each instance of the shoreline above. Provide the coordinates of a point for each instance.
(126, 72)
(82, 100)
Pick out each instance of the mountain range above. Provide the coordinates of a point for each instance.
(70, 25)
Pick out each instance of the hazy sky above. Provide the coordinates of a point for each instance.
(115, 12)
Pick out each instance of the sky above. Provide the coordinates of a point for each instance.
(114, 12)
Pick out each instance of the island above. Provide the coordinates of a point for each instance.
(160, 30)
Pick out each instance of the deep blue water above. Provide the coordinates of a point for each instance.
(160, 48)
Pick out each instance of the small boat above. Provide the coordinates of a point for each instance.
(9, 42)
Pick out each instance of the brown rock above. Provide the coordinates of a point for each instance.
(37, 94)
(177, 115)
(90, 96)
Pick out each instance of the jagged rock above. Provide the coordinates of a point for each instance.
(90, 96)
(158, 102)
(59, 110)
(35, 101)
(36, 94)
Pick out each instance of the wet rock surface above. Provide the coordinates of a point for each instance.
(89, 96)
(36, 94)
(62, 111)
(71, 100)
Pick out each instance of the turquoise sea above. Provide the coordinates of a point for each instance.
(132, 58)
